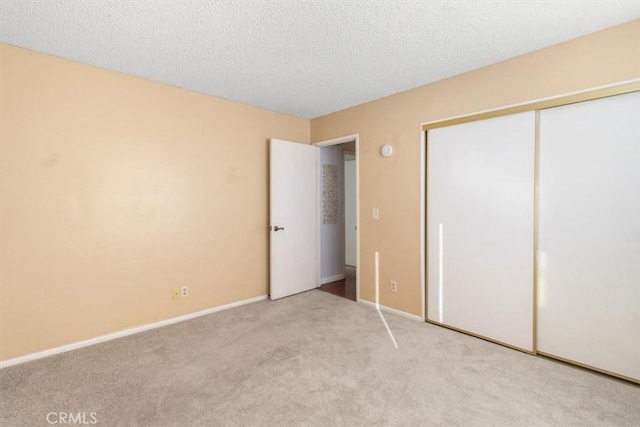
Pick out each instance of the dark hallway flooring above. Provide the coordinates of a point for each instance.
(345, 288)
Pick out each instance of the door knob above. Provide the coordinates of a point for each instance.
(276, 228)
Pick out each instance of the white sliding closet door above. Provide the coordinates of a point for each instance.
(589, 234)
(480, 227)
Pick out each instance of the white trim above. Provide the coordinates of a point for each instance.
(331, 279)
(338, 140)
(327, 143)
(533, 101)
(124, 333)
(358, 262)
(319, 220)
(423, 221)
(392, 310)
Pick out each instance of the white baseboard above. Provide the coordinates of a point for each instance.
(331, 279)
(124, 333)
(392, 310)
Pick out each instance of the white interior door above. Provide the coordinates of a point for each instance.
(293, 210)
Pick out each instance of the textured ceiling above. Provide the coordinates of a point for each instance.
(306, 58)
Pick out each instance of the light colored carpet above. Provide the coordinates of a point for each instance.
(312, 359)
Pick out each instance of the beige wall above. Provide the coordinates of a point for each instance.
(113, 190)
(393, 184)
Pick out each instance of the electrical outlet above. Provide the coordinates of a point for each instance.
(394, 286)
(185, 291)
(375, 213)
(175, 293)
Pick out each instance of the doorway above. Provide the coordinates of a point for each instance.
(337, 218)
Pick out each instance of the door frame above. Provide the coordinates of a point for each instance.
(327, 143)
(346, 153)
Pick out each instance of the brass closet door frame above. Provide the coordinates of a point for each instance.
(537, 106)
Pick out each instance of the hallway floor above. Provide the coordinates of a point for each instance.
(345, 288)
